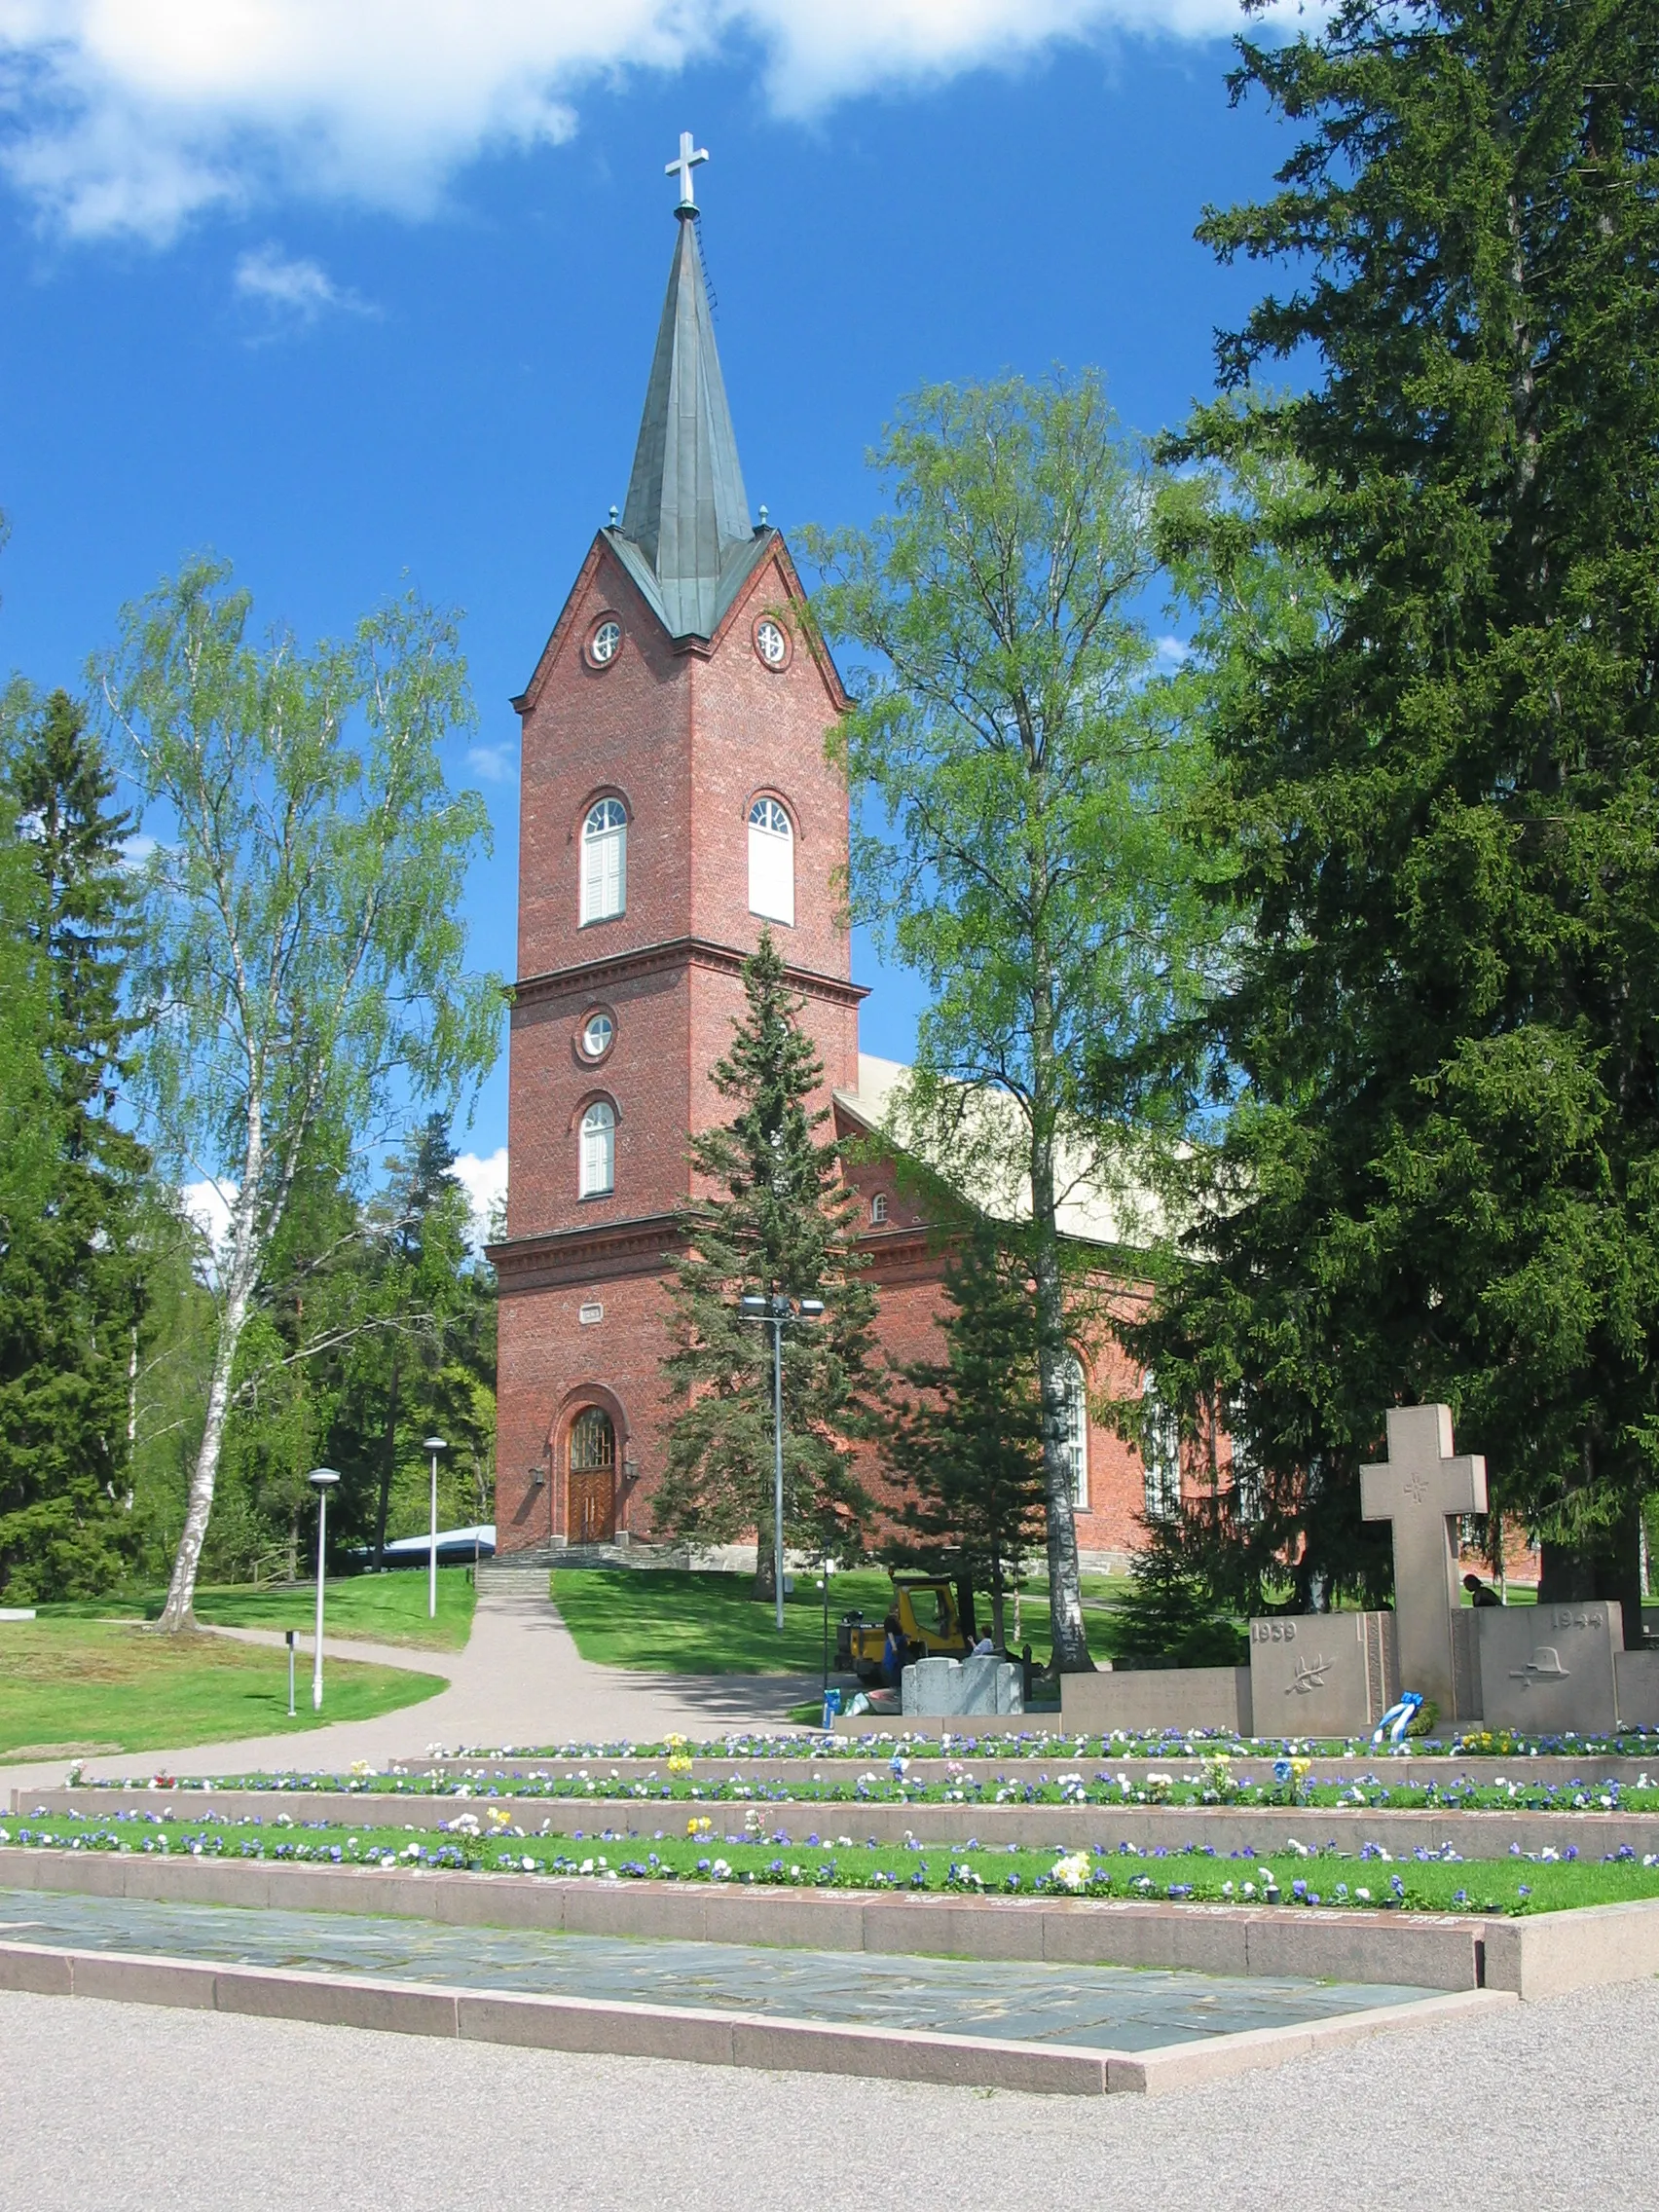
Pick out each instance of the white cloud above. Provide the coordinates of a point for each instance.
(208, 1206)
(1174, 650)
(485, 1182)
(297, 291)
(495, 764)
(131, 116)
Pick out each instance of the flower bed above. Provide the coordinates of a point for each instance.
(1371, 1878)
(1292, 1781)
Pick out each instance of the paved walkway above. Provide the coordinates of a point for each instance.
(124, 2104)
(520, 1680)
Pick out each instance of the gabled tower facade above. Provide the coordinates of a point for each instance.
(674, 800)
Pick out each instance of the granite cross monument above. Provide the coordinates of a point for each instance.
(1421, 1487)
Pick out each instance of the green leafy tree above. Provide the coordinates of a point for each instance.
(1436, 1173)
(966, 1445)
(1021, 779)
(73, 1301)
(305, 954)
(418, 1328)
(778, 1217)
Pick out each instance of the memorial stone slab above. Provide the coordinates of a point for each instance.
(1550, 1669)
(979, 1684)
(1420, 1487)
(1322, 1674)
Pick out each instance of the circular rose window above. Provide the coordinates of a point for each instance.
(606, 642)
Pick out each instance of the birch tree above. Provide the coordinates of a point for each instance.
(1019, 792)
(305, 960)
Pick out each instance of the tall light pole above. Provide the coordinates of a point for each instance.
(322, 1479)
(777, 1313)
(434, 1445)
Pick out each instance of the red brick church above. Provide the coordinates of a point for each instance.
(675, 800)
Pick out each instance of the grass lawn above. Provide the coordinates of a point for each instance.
(803, 1854)
(379, 1608)
(667, 1620)
(76, 1686)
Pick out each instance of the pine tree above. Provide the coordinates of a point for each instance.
(966, 1448)
(778, 1219)
(72, 1303)
(1437, 811)
(1170, 1611)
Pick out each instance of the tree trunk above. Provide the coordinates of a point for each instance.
(998, 1625)
(965, 1609)
(179, 1611)
(1069, 1645)
(387, 1462)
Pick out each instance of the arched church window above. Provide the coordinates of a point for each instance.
(771, 862)
(1077, 1432)
(1246, 1468)
(1162, 1456)
(878, 1208)
(599, 1150)
(593, 1441)
(604, 862)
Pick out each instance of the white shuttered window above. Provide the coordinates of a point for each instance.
(604, 862)
(1077, 1432)
(599, 1150)
(771, 862)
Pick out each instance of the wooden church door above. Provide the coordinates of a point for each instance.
(592, 1492)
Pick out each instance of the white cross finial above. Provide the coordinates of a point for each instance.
(691, 154)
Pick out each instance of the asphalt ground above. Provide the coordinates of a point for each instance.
(108, 2105)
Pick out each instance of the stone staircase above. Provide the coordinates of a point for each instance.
(518, 1570)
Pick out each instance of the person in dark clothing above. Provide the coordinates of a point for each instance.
(1481, 1593)
(894, 1652)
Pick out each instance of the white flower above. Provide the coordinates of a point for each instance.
(1072, 1871)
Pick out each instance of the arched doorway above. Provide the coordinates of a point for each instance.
(591, 1516)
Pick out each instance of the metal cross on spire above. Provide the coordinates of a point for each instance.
(691, 154)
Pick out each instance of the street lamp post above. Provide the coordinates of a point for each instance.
(322, 1479)
(777, 1312)
(434, 1445)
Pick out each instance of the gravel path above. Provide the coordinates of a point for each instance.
(520, 1680)
(110, 2105)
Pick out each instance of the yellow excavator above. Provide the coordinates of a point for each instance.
(926, 1606)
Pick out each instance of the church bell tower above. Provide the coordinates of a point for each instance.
(674, 800)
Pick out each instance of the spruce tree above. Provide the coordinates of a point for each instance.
(966, 1447)
(72, 1305)
(776, 1217)
(1436, 814)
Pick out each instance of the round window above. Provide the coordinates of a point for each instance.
(597, 1032)
(770, 642)
(606, 642)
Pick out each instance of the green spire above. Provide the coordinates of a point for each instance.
(687, 521)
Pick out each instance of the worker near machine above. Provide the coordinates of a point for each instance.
(894, 1650)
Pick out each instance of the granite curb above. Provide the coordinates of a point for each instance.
(699, 2035)
(1426, 1950)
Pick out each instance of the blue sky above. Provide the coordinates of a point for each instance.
(351, 304)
